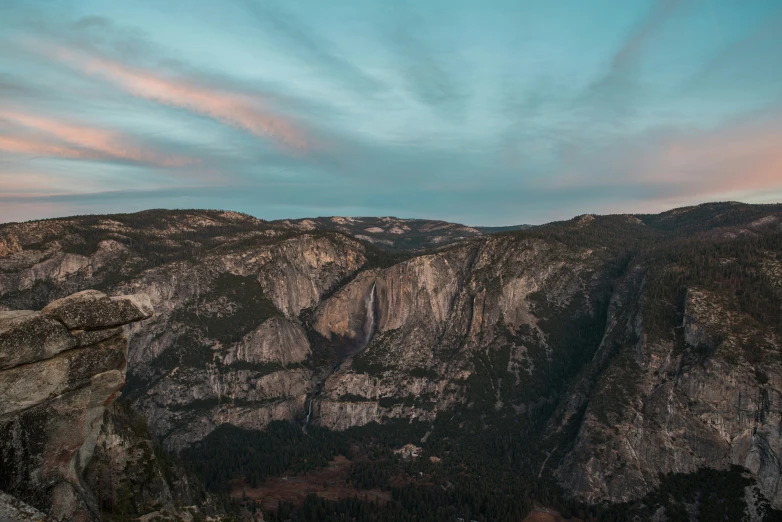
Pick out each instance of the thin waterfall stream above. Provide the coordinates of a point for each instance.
(370, 326)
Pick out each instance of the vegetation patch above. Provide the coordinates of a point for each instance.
(230, 452)
(707, 494)
(188, 350)
(233, 307)
(261, 369)
(423, 373)
(352, 397)
(371, 360)
(617, 389)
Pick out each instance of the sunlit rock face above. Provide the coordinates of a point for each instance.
(59, 369)
(433, 314)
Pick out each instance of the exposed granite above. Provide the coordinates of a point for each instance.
(14, 510)
(93, 310)
(27, 336)
(55, 384)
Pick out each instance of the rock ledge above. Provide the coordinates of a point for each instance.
(59, 369)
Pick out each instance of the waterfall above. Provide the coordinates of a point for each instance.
(309, 412)
(367, 333)
(369, 325)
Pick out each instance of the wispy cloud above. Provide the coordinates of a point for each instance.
(16, 184)
(741, 156)
(745, 58)
(312, 49)
(643, 33)
(488, 113)
(420, 65)
(51, 137)
(615, 92)
(240, 110)
(38, 148)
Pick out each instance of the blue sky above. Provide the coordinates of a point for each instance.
(480, 112)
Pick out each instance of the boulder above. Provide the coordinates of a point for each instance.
(91, 310)
(27, 336)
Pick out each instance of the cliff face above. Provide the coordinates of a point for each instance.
(59, 369)
(436, 315)
(688, 373)
(130, 476)
(226, 345)
(654, 340)
(708, 397)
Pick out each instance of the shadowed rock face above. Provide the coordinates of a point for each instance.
(59, 369)
(707, 399)
(12, 508)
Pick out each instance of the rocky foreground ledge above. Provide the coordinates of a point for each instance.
(59, 370)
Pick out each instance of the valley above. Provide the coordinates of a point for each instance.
(587, 365)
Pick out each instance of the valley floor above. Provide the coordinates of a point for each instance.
(329, 483)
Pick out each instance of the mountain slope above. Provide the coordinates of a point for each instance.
(396, 234)
(597, 352)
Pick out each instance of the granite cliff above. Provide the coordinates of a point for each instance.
(68, 449)
(617, 347)
(59, 370)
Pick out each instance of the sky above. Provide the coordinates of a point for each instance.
(481, 112)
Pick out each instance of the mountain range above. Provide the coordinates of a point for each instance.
(604, 367)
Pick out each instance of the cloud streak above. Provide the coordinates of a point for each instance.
(314, 50)
(56, 138)
(239, 110)
(743, 156)
(644, 33)
(617, 91)
(420, 65)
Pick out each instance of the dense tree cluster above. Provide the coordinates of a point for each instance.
(234, 453)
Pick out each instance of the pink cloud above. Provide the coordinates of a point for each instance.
(70, 140)
(26, 184)
(22, 210)
(743, 156)
(238, 110)
(39, 148)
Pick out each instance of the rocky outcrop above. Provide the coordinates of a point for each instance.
(131, 476)
(277, 340)
(710, 398)
(257, 322)
(344, 315)
(59, 369)
(298, 272)
(189, 404)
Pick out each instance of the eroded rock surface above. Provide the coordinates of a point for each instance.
(710, 398)
(59, 369)
(14, 510)
(260, 321)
